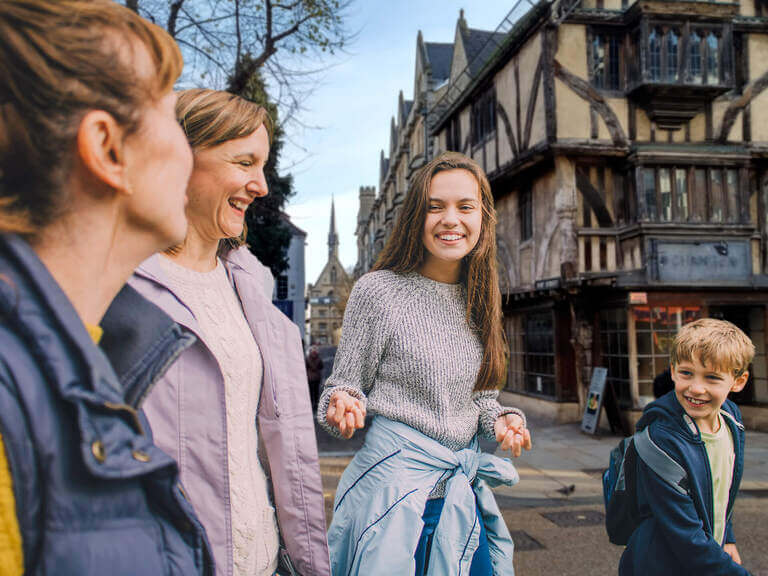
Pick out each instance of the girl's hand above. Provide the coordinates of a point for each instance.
(732, 552)
(512, 434)
(345, 413)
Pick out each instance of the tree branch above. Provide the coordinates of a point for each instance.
(173, 17)
(237, 31)
(183, 42)
(197, 23)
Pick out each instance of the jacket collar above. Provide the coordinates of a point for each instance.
(141, 342)
(250, 278)
(45, 317)
(668, 408)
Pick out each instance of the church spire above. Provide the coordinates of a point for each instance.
(333, 237)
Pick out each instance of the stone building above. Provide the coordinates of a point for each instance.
(626, 142)
(327, 296)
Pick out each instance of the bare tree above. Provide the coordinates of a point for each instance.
(225, 42)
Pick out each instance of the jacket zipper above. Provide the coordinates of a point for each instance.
(710, 491)
(733, 425)
(265, 362)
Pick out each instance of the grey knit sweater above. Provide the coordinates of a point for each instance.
(408, 352)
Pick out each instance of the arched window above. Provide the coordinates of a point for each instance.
(713, 59)
(672, 40)
(654, 55)
(333, 275)
(694, 63)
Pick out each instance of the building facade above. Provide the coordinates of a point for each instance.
(626, 144)
(288, 293)
(328, 295)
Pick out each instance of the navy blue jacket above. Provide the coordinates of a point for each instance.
(676, 535)
(93, 494)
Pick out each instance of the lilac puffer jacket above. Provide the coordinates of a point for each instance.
(187, 412)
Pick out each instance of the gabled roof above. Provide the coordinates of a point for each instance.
(479, 46)
(439, 55)
(407, 105)
(383, 166)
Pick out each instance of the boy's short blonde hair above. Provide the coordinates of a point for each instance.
(715, 343)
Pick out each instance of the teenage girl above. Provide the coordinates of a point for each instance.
(423, 349)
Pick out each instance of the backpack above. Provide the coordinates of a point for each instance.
(622, 514)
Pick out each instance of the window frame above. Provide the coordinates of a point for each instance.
(726, 205)
(483, 117)
(614, 58)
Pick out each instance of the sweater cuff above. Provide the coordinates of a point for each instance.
(325, 400)
(488, 420)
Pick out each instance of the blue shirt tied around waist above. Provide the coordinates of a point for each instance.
(380, 501)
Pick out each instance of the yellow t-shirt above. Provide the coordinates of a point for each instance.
(11, 555)
(721, 456)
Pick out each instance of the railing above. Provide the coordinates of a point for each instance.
(464, 79)
(597, 250)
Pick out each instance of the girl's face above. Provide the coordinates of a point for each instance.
(454, 218)
(226, 179)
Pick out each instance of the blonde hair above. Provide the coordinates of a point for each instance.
(405, 252)
(212, 117)
(59, 62)
(715, 343)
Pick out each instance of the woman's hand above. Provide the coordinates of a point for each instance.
(512, 434)
(345, 413)
(733, 552)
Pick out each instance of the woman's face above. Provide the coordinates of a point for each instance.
(454, 217)
(159, 166)
(225, 180)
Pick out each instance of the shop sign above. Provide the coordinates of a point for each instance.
(638, 297)
(700, 262)
(591, 418)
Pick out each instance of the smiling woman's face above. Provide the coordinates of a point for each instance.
(225, 180)
(454, 217)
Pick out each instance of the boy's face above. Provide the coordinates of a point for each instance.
(701, 391)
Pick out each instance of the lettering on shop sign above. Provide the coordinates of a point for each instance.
(700, 262)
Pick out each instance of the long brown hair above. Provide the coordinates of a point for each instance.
(59, 60)
(405, 252)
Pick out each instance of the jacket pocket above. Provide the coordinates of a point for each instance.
(124, 550)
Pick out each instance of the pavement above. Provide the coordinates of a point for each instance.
(556, 513)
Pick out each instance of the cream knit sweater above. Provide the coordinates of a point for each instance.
(214, 304)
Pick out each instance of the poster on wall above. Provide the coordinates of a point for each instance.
(596, 394)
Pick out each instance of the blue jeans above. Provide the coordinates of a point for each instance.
(481, 561)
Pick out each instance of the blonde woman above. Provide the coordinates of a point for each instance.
(93, 173)
(243, 383)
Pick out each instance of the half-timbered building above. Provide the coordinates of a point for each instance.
(626, 142)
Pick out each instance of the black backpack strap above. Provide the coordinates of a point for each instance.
(660, 462)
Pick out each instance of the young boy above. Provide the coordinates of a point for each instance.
(695, 424)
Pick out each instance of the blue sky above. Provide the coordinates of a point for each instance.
(353, 107)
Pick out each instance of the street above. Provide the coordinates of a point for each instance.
(556, 512)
